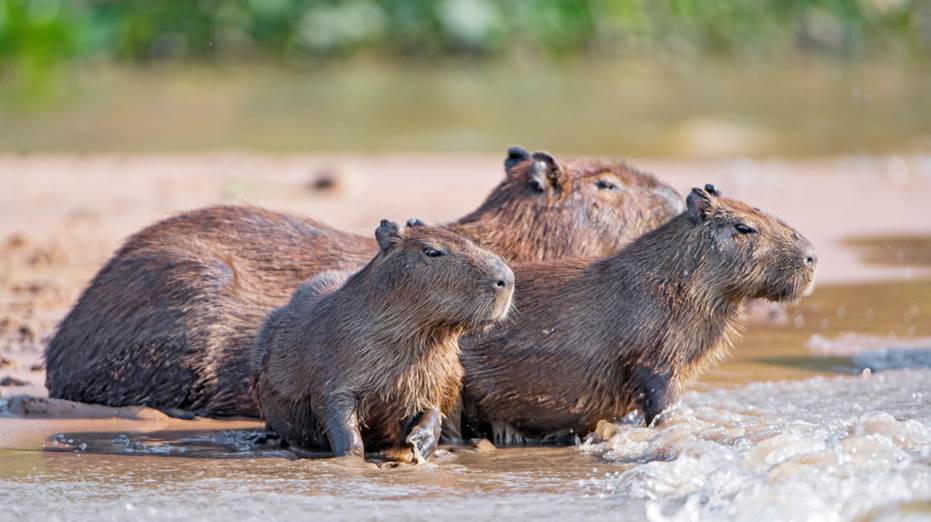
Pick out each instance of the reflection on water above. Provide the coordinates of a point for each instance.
(174, 443)
(532, 482)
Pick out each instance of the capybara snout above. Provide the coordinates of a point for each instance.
(503, 290)
(500, 280)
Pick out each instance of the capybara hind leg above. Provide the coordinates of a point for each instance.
(425, 435)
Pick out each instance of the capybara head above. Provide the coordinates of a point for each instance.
(432, 272)
(577, 207)
(748, 252)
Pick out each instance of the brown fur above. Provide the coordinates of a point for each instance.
(594, 340)
(583, 208)
(366, 361)
(169, 321)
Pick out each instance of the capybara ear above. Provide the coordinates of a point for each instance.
(414, 222)
(700, 204)
(388, 235)
(546, 173)
(515, 155)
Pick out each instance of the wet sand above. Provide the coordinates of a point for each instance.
(64, 215)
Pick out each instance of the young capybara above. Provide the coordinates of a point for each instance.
(374, 363)
(596, 339)
(169, 321)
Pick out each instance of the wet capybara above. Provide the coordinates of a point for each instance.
(595, 339)
(169, 321)
(374, 363)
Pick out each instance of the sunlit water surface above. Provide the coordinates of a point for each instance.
(825, 416)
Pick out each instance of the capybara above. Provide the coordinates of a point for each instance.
(595, 339)
(169, 321)
(374, 363)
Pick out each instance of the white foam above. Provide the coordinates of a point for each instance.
(822, 449)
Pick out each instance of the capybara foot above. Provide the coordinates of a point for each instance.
(423, 441)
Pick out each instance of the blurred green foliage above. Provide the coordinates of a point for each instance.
(35, 34)
(648, 76)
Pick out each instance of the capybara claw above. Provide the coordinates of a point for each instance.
(423, 442)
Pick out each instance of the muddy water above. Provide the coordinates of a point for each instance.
(824, 334)
(689, 109)
(823, 416)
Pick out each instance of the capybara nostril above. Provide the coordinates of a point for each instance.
(501, 276)
(809, 254)
(505, 279)
(504, 283)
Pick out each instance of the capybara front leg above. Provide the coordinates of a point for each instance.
(425, 435)
(342, 429)
(653, 391)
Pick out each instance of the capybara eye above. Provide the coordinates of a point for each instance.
(744, 229)
(432, 252)
(606, 185)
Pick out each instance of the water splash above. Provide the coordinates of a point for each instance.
(822, 449)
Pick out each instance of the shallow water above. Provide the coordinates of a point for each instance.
(694, 108)
(819, 449)
(838, 429)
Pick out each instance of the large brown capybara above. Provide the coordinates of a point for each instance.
(374, 364)
(594, 340)
(169, 321)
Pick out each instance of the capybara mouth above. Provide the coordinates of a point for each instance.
(503, 307)
(806, 282)
(499, 311)
(795, 289)
(809, 288)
